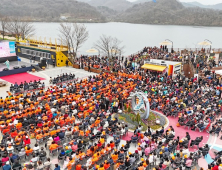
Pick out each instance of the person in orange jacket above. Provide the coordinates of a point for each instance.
(53, 146)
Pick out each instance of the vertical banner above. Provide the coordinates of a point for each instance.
(12, 47)
(170, 70)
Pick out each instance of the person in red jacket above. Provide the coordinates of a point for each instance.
(215, 167)
(14, 133)
(27, 141)
(78, 167)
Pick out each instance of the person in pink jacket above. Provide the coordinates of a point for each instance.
(188, 162)
(147, 150)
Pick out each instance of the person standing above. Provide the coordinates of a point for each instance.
(53, 63)
(107, 103)
(89, 68)
(67, 63)
(7, 64)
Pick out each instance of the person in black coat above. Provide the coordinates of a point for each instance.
(53, 63)
(102, 106)
(61, 135)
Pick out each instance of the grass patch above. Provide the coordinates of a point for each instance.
(152, 116)
(151, 121)
(6, 39)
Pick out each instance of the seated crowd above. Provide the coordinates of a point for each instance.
(25, 86)
(76, 123)
(62, 78)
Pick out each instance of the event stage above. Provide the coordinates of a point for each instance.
(15, 63)
(12, 71)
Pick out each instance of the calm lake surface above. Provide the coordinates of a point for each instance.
(136, 36)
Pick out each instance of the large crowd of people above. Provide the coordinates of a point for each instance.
(75, 121)
(134, 61)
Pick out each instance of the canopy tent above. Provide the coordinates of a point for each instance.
(92, 51)
(218, 72)
(204, 43)
(154, 67)
(165, 43)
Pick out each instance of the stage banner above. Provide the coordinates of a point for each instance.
(7, 49)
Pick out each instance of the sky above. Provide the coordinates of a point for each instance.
(205, 2)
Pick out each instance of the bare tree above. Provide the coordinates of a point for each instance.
(110, 46)
(3, 25)
(27, 29)
(73, 35)
(20, 28)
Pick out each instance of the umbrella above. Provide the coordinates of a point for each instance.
(165, 43)
(92, 51)
(204, 43)
(114, 51)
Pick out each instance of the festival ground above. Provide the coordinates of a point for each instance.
(213, 140)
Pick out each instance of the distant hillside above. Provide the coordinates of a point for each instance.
(51, 10)
(170, 12)
(117, 5)
(163, 12)
(185, 4)
(86, 1)
(141, 1)
(196, 4)
(107, 12)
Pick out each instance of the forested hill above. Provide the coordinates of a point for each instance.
(170, 12)
(163, 12)
(51, 10)
(117, 5)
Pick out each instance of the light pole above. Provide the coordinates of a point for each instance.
(171, 42)
(210, 43)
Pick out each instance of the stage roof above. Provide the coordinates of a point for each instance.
(167, 62)
(153, 67)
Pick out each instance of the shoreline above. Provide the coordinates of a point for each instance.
(107, 22)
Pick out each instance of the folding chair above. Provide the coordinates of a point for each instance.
(53, 152)
(17, 168)
(40, 141)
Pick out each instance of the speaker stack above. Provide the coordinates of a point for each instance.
(5, 69)
(42, 63)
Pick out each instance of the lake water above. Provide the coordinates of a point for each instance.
(136, 36)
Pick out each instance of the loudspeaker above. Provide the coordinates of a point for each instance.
(43, 62)
(5, 69)
(16, 67)
(37, 68)
(23, 66)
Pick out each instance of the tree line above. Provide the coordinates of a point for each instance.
(74, 35)
(16, 27)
